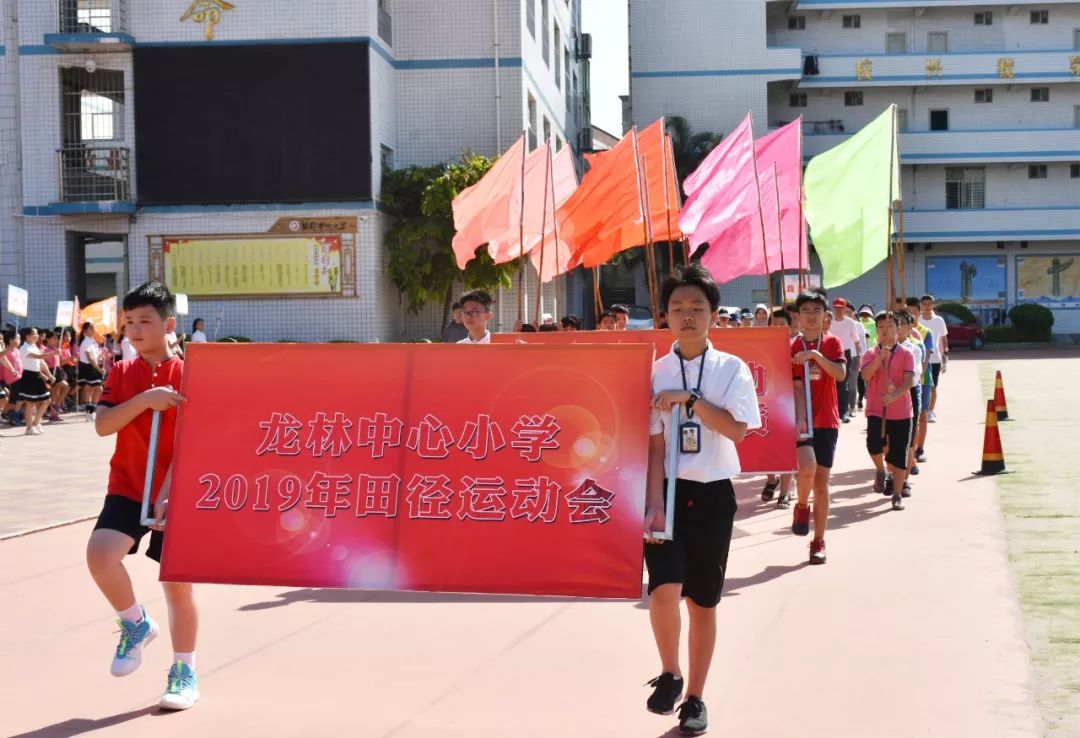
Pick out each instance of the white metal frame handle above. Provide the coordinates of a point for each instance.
(147, 517)
(668, 534)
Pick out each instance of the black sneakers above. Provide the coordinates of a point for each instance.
(693, 717)
(668, 690)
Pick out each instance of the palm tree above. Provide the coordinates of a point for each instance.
(689, 148)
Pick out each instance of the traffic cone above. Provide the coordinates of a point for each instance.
(993, 459)
(999, 398)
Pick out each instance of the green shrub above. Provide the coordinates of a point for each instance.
(955, 308)
(1001, 334)
(1032, 322)
(234, 339)
(286, 340)
(342, 340)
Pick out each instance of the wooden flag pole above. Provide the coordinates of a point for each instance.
(903, 250)
(667, 207)
(555, 233)
(521, 234)
(779, 235)
(543, 237)
(761, 221)
(650, 249)
(597, 299)
(888, 227)
(643, 211)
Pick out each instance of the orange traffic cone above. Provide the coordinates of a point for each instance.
(993, 459)
(999, 398)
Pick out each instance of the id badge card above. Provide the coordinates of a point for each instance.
(690, 438)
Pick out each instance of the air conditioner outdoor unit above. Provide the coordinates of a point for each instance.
(584, 47)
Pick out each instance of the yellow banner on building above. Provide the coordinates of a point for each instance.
(253, 266)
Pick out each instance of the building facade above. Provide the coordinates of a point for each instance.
(989, 116)
(130, 130)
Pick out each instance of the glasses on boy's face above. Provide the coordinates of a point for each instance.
(473, 313)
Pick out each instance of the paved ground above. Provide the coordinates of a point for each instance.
(912, 629)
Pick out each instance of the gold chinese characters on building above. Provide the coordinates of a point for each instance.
(1005, 68)
(1074, 66)
(934, 68)
(864, 70)
(207, 12)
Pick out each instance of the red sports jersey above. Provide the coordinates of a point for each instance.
(127, 469)
(822, 386)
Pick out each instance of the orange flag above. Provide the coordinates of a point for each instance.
(490, 207)
(102, 315)
(554, 255)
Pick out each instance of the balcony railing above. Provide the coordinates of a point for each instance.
(92, 16)
(94, 173)
(386, 27)
(962, 146)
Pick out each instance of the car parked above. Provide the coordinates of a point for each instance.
(964, 333)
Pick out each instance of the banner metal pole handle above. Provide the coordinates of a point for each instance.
(668, 533)
(809, 403)
(147, 518)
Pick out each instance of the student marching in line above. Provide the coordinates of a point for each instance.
(818, 358)
(33, 390)
(780, 317)
(717, 394)
(889, 371)
(475, 314)
(939, 360)
(910, 339)
(132, 391)
(91, 368)
(914, 309)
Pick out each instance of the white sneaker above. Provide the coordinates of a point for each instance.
(30, 431)
(931, 417)
(133, 636)
(182, 691)
(38, 430)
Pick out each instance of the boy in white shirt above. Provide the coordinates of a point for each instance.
(719, 405)
(939, 357)
(475, 314)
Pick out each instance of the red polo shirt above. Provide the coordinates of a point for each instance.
(127, 469)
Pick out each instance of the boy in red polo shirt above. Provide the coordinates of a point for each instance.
(818, 357)
(133, 390)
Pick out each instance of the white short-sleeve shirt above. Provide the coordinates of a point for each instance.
(937, 326)
(485, 339)
(30, 366)
(725, 383)
(88, 350)
(849, 332)
(127, 351)
(198, 337)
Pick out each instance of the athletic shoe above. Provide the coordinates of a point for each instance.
(30, 431)
(879, 482)
(770, 489)
(183, 690)
(931, 416)
(800, 523)
(668, 690)
(906, 491)
(846, 418)
(888, 486)
(783, 502)
(817, 551)
(897, 502)
(133, 636)
(915, 469)
(860, 404)
(920, 456)
(693, 717)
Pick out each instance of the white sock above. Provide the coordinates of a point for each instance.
(187, 658)
(133, 614)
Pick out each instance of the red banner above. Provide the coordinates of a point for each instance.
(501, 469)
(766, 351)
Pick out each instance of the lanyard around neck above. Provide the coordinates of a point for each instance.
(701, 374)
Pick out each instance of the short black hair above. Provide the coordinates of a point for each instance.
(528, 328)
(606, 314)
(780, 314)
(898, 301)
(152, 294)
(547, 328)
(814, 294)
(927, 296)
(456, 306)
(691, 275)
(8, 334)
(912, 301)
(887, 314)
(480, 296)
(620, 310)
(905, 317)
(571, 320)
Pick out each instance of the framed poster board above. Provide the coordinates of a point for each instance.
(975, 281)
(1052, 281)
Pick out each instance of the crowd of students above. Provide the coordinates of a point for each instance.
(47, 373)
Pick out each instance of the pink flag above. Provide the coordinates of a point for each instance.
(737, 250)
(557, 255)
(539, 220)
(722, 189)
(489, 207)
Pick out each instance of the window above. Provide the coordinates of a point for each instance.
(92, 105)
(1076, 116)
(1074, 171)
(547, 129)
(939, 120)
(566, 77)
(852, 21)
(965, 188)
(937, 42)
(531, 122)
(1040, 17)
(385, 22)
(558, 144)
(1040, 94)
(1037, 171)
(1076, 39)
(902, 120)
(853, 99)
(387, 157)
(896, 43)
(530, 17)
(797, 100)
(558, 56)
(796, 22)
(545, 35)
(985, 18)
(985, 95)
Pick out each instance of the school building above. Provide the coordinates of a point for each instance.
(236, 148)
(989, 101)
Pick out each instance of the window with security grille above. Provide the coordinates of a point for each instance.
(92, 16)
(530, 17)
(558, 56)
(984, 96)
(852, 21)
(545, 32)
(965, 188)
(985, 18)
(1074, 171)
(1037, 171)
(1040, 17)
(853, 99)
(1040, 94)
(92, 105)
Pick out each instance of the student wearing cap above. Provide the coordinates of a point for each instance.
(761, 316)
(866, 317)
(571, 323)
(723, 320)
(849, 332)
(746, 320)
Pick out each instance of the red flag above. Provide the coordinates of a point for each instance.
(491, 206)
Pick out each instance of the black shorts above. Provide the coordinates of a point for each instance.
(123, 515)
(697, 557)
(88, 375)
(916, 401)
(3, 390)
(935, 372)
(899, 437)
(824, 445)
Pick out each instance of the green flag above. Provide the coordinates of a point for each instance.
(849, 190)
